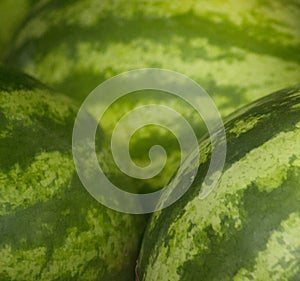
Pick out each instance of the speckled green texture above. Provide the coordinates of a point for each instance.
(247, 228)
(50, 227)
(238, 51)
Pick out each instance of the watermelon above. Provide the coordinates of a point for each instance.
(247, 227)
(237, 51)
(50, 226)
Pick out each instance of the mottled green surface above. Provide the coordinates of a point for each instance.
(238, 51)
(50, 227)
(248, 227)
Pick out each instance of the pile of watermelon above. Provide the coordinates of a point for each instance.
(246, 55)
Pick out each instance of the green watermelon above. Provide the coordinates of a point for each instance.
(237, 51)
(248, 227)
(50, 226)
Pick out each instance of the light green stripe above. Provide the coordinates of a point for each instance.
(22, 105)
(21, 265)
(266, 166)
(245, 125)
(48, 173)
(280, 260)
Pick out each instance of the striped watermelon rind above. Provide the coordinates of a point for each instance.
(236, 54)
(247, 228)
(50, 227)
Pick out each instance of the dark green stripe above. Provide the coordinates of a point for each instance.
(110, 28)
(262, 213)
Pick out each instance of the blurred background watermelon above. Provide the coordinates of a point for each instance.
(237, 51)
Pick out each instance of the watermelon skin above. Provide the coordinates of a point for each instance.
(237, 54)
(236, 51)
(248, 227)
(50, 227)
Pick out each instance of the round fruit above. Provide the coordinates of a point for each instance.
(236, 51)
(50, 227)
(248, 227)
